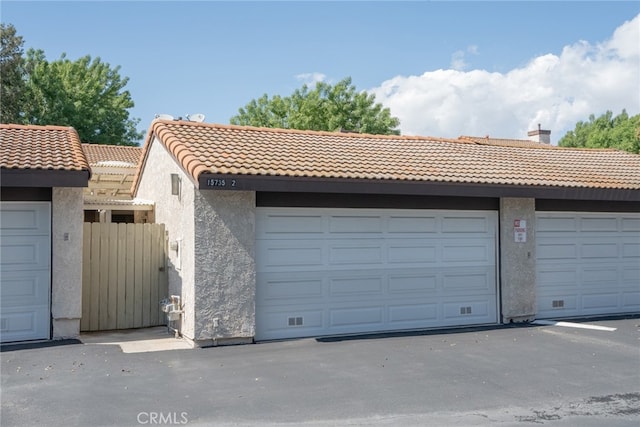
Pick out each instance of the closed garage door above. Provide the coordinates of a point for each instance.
(342, 271)
(25, 275)
(587, 263)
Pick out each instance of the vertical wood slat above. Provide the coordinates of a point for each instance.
(112, 305)
(94, 316)
(146, 275)
(137, 277)
(104, 278)
(121, 322)
(124, 276)
(86, 277)
(130, 276)
(153, 299)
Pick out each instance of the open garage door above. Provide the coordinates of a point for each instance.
(324, 271)
(25, 270)
(587, 264)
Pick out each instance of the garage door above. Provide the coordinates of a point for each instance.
(344, 271)
(25, 275)
(587, 264)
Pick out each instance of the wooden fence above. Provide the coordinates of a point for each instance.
(124, 276)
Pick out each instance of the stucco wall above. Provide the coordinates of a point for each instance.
(66, 261)
(225, 266)
(177, 213)
(517, 261)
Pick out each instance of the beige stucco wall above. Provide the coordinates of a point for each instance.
(517, 261)
(177, 213)
(66, 261)
(225, 266)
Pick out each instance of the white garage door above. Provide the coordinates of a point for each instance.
(25, 274)
(342, 271)
(587, 263)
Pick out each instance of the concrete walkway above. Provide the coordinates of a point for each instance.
(142, 340)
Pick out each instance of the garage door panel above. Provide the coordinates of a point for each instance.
(370, 272)
(599, 251)
(599, 225)
(282, 289)
(600, 301)
(464, 312)
(291, 224)
(631, 249)
(412, 225)
(24, 288)
(19, 325)
(552, 277)
(413, 252)
(469, 282)
(465, 224)
(422, 283)
(557, 251)
(19, 253)
(356, 317)
(407, 315)
(602, 276)
(631, 300)
(592, 276)
(355, 252)
(358, 286)
(631, 225)
(287, 255)
(24, 219)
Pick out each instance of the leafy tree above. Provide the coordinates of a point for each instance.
(11, 73)
(85, 94)
(620, 132)
(325, 108)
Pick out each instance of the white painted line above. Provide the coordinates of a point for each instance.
(573, 325)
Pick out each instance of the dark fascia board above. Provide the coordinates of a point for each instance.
(363, 186)
(43, 178)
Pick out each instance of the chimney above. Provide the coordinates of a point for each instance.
(540, 135)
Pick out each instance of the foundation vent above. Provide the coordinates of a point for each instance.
(296, 321)
(558, 303)
(465, 310)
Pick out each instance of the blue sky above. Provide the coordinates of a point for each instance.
(444, 68)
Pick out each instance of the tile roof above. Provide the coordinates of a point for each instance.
(100, 154)
(524, 143)
(238, 150)
(41, 148)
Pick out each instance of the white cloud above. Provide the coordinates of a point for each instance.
(554, 90)
(458, 58)
(311, 78)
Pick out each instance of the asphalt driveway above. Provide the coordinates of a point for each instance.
(518, 375)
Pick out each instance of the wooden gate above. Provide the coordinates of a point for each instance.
(124, 276)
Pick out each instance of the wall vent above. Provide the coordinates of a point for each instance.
(558, 303)
(296, 321)
(465, 310)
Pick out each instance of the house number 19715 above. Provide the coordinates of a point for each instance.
(217, 182)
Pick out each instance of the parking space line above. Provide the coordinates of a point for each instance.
(573, 325)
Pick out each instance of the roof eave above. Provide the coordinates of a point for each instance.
(44, 178)
(209, 181)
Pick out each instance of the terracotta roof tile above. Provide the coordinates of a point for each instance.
(99, 153)
(227, 149)
(523, 143)
(41, 147)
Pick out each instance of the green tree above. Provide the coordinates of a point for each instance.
(325, 108)
(86, 94)
(620, 132)
(11, 74)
